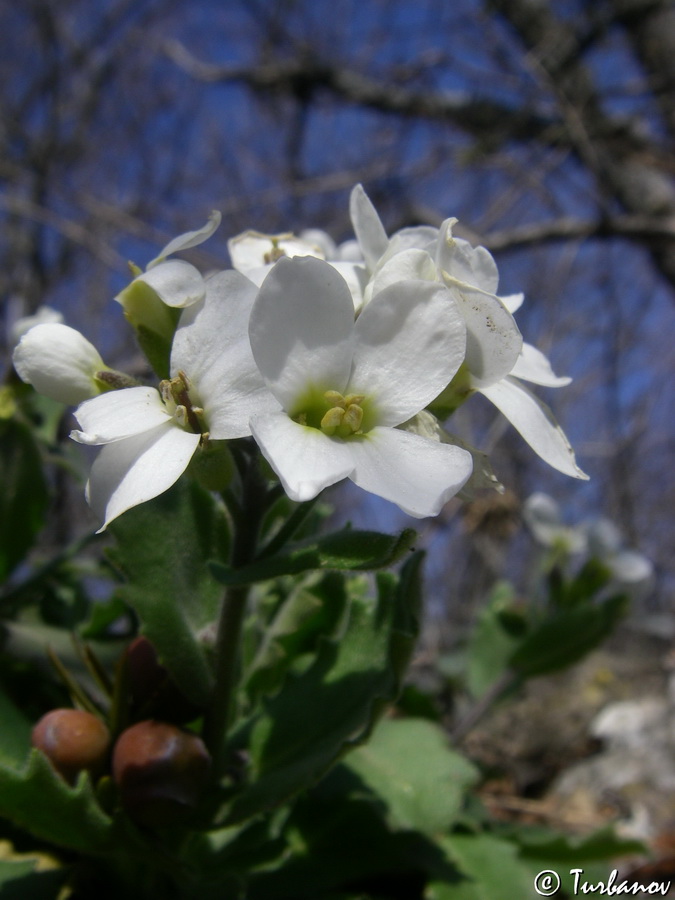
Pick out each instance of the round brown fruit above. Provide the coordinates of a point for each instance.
(73, 741)
(160, 771)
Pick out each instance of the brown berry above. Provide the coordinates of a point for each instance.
(152, 691)
(73, 741)
(160, 771)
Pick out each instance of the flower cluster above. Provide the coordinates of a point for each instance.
(340, 362)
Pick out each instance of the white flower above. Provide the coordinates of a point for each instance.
(544, 519)
(177, 283)
(496, 357)
(43, 315)
(344, 386)
(254, 254)
(147, 437)
(59, 362)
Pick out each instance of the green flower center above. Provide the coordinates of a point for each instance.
(335, 414)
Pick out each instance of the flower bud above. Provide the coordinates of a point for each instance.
(153, 693)
(72, 740)
(59, 362)
(160, 771)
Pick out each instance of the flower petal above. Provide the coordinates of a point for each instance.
(367, 226)
(305, 459)
(408, 265)
(410, 341)
(137, 469)
(473, 266)
(535, 422)
(189, 239)
(117, 415)
(533, 366)
(176, 282)
(513, 302)
(416, 474)
(301, 329)
(59, 362)
(212, 347)
(493, 340)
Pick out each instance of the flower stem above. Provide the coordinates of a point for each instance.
(232, 613)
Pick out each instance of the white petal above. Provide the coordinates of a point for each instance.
(471, 265)
(137, 469)
(305, 459)
(301, 329)
(189, 239)
(416, 474)
(493, 341)
(367, 226)
(408, 265)
(349, 251)
(212, 347)
(321, 239)
(176, 282)
(253, 250)
(533, 366)
(59, 362)
(356, 276)
(410, 341)
(117, 415)
(513, 302)
(482, 477)
(418, 237)
(535, 422)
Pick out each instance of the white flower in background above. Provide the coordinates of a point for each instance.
(597, 538)
(544, 519)
(60, 363)
(496, 357)
(630, 570)
(43, 315)
(345, 385)
(254, 254)
(148, 437)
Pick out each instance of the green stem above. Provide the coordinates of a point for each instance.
(232, 613)
(288, 529)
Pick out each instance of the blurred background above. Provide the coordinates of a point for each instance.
(545, 126)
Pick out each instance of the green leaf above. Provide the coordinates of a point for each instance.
(492, 642)
(14, 733)
(591, 578)
(40, 801)
(346, 550)
(566, 637)
(321, 712)
(162, 549)
(409, 765)
(313, 609)
(602, 845)
(491, 866)
(23, 493)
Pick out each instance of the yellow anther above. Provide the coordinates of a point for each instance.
(335, 398)
(354, 398)
(332, 420)
(352, 418)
